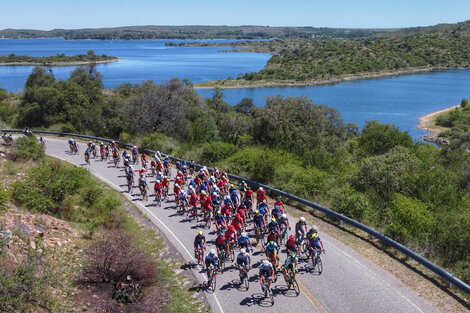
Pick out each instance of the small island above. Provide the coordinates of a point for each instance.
(57, 60)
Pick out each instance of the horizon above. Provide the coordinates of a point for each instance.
(362, 14)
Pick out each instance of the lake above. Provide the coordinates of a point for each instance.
(399, 100)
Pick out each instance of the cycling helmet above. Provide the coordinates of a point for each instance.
(278, 199)
(158, 181)
(314, 236)
(243, 182)
(203, 192)
(237, 215)
(257, 212)
(264, 201)
(176, 185)
(302, 219)
(273, 219)
(271, 243)
(214, 193)
(261, 188)
(231, 185)
(314, 229)
(284, 215)
(265, 262)
(200, 233)
(243, 251)
(293, 255)
(244, 234)
(231, 227)
(218, 212)
(212, 252)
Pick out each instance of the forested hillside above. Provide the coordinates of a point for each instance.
(414, 192)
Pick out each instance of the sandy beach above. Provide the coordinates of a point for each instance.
(426, 122)
(59, 63)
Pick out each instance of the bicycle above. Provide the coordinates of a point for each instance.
(244, 277)
(116, 160)
(316, 261)
(223, 259)
(259, 235)
(212, 277)
(158, 197)
(207, 219)
(231, 246)
(87, 159)
(275, 264)
(183, 205)
(199, 256)
(291, 280)
(283, 234)
(130, 183)
(165, 192)
(267, 290)
(144, 193)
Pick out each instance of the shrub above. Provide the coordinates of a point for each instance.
(350, 203)
(379, 138)
(28, 148)
(113, 256)
(217, 151)
(410, 220)
(462, 270)
(159, 142)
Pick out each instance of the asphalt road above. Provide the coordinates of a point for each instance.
(349, 282)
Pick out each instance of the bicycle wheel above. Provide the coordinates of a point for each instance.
(319, 266)
(271, 295)
(296, 286)
(275, 274)
(213, 281)
(246, 281)
(232, 253)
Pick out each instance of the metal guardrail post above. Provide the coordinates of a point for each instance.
(453, 281)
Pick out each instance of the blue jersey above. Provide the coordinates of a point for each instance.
(272, 248)
(258, 220)
(273, 225)
(212, 259)
(199, 240)
(315, 242)
(243, 240)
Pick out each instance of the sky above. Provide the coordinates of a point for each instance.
(71, 14)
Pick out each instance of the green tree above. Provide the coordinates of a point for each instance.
(377, 138)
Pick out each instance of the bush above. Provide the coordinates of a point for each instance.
(379, 138)
(216, 151)
(28, 148)
(113, 256)
(159, 142)
(462, 270)
(410, 220)
(351, 203)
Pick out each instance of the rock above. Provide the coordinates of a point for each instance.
(32, 244)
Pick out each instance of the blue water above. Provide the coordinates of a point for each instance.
(399, 100)
(143, 60)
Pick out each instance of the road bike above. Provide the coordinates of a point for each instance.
(87, 159)
(212, 277)
(158, 197)
(116, 160)
(199, 256)
(231, 254)
(268, 293)
(130, 183)
(207, 219)
(143, 192)
(244, 277)
(291, 280)
(284, 234)
(316, 261)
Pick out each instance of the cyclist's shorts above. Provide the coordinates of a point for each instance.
(265, 273)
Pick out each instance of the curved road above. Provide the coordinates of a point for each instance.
(349, 282)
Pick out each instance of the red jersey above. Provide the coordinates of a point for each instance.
(220, 241)
(249, 193)
(158, 186)
(229, 234)
(166, 182)
(237, 223)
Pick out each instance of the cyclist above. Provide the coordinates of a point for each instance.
(134, 152)
(259, 224)
(260, 196)
(158, 187)
(87, 155)
(266, 271)
(274, 226)
(314, 242)
(242, 211)
(176, 193)
(272, 250)
(291, 264)
(243, 187)
(192, 167)
(143, 186)
(212, 259)
(244, 242)
(276, 212)
(199, 244)
(166, 184)
(230, 237)
(280, 204)
(311, 231)
(194, 202)
(220, 221)
(234, 196)
(220, 242)
(72, 145)
(291, 245)
(237, 223)
(263, 210)
(183, 197)
(143, 160)
(273, 235)
(301, 229)
(243, 262)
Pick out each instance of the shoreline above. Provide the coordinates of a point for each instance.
(60, 63)
(426, 122)
(264, 84)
